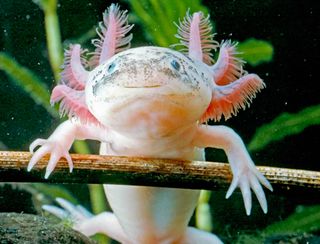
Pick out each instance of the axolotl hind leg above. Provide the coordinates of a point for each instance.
(87, 223)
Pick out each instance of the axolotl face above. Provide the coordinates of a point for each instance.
(149, 90)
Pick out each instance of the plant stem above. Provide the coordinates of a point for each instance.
(203, 213)
(53, 37)
(28, 81)
(97, 196)
(98, 205)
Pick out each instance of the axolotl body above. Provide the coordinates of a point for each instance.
(152, 102)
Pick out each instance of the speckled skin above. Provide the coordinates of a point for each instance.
(149, 102)
(144, 88)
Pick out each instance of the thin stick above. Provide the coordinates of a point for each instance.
(143, 171)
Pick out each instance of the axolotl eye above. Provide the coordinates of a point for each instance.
(175, 65)
(111, 67)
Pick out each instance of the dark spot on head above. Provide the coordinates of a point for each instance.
(111, 67)
(104, 80)
(170, 73)
(95, 87)
(190, 59)
(175, 65)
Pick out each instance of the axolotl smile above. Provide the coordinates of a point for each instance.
(139, 87)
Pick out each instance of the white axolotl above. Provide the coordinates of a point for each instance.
(151, 102)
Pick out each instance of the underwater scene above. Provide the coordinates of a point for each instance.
(215, 103)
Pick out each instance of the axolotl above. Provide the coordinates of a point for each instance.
(152, 102)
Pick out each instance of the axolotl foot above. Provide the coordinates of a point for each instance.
(87, 223)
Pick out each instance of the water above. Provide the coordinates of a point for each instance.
(291, 78)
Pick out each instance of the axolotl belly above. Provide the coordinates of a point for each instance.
(151, 102)
(149, 88)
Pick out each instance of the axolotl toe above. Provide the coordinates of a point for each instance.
(152, 102)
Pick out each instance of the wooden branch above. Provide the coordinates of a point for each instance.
(143, 171)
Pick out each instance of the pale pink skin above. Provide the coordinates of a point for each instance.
(149, 101)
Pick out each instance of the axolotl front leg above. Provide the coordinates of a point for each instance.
(60, 142)
(58, 145)
(245, 174)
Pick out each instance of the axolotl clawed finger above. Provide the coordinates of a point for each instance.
(48, 147)
(37, 155)
(247, 180)
(257, 189)
(35, 143)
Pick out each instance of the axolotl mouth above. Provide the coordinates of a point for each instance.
(130, 101)
(145, 110)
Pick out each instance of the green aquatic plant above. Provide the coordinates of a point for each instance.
(53, 35)
(157, 17)
(53, 191)
(152, 14)
(28, 81)
(203, 212)
(285, 124)
(255, 51)
(303, 220)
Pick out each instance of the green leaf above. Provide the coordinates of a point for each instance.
(54, 191)
(255, 51)
(203, 212)
(28, 81)
(53, 35)
(285, 125)
(157, 17)
(46, 4)
(249, 239)
(305, 219)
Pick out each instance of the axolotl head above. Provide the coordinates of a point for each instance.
(148, 90)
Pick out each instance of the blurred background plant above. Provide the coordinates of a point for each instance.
(153, 19)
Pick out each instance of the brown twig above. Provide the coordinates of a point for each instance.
(145, 171)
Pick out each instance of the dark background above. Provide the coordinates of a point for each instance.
(291, 78)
